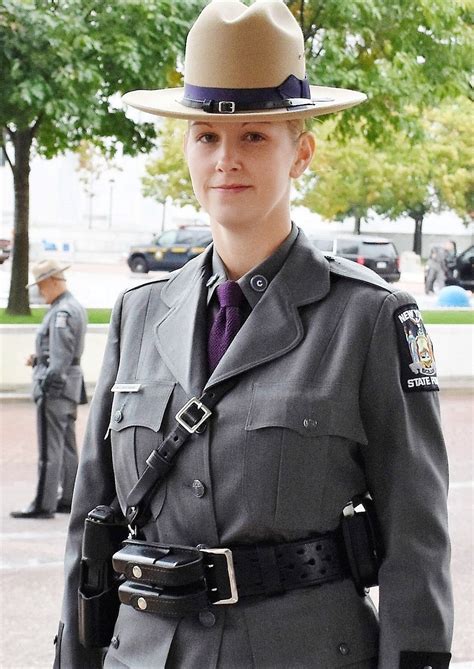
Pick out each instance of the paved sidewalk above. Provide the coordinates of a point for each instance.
(32, 551)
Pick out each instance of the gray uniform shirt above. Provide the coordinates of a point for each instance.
(59, 346)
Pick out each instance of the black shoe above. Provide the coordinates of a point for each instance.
(62, 507)
(32, 513)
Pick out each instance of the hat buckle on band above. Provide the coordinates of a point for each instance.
(226, 107)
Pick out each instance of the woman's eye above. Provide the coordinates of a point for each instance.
(254, 137)
(207, 138)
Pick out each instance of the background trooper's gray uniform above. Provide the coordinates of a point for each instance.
(58, 388)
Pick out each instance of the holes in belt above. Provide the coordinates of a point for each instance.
(318, 547)
(312, 561)
(300, 551)
(176, 438)
(304, 575)
(322, 571)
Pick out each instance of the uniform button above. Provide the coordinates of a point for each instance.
(344, 649)
(118, 415)
(201, 547)
(259, 283)
(207, 618)
(309, 423)
(115, 642)
(428, 666)
(199, 489)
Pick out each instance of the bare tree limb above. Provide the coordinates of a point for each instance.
(5, 153)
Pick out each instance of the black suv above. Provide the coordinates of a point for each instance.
(464, 269)
(377, 253)
(171, 250)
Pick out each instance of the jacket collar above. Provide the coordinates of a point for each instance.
(273, 328)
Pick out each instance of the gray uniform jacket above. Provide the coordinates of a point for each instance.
(59, 346)
(321, 344)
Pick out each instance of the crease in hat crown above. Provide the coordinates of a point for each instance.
(242, 62)
(44, 269)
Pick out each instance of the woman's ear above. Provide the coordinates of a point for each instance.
(304, 154)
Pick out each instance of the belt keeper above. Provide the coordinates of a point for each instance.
(269, 570)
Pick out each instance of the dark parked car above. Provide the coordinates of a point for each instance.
(377, 253)
(5, 250)
(171, 250)
(464, 269)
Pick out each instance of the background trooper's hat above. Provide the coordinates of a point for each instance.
(244, 63)
(45, 268)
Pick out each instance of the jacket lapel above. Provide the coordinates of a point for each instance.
(274, 327)
(181, 334)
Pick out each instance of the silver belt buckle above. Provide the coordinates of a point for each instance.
(202, 407)
(234, 594)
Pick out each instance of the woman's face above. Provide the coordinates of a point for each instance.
(241, 172)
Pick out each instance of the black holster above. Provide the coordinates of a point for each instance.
(98, 583)
(362, 543)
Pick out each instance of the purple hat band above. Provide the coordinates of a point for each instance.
(293, 92)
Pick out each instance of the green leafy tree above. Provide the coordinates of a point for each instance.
(405, 55)
(449, 131)
(166, 174)
(343, 180)
(61, 63)
(404, 177)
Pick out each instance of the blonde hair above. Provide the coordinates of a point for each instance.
(297, 127)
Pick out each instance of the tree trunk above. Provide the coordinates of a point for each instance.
(18, 298)
(417, 237)
(357, 222)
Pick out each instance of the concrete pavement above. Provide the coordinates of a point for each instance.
(32, 551)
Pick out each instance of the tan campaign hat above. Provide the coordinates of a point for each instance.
(45, 268)
(244, 63)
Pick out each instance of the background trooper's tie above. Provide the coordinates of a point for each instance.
(226, 323)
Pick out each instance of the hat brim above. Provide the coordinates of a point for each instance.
(48, 275)
(165, 102)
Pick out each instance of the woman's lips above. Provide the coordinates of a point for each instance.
(232, 189)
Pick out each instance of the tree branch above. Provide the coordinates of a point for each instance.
(4, 148)
(34, 127)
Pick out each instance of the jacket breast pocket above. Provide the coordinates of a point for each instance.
(136, 430)
(290, 436)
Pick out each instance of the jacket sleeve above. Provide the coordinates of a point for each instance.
(94, 485)
(407, 474)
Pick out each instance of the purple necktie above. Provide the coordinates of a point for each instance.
(226, 323)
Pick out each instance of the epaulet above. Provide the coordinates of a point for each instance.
(352, 270)
(162, 279)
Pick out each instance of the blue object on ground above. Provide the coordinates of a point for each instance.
(453, 296)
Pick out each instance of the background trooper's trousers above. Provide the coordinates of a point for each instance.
(57, 452)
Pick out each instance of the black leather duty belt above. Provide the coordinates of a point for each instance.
(180, 580)
(44, 360)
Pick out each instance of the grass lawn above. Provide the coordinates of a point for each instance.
(95, 316)
(100, 316)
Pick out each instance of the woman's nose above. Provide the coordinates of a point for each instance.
(227, 158)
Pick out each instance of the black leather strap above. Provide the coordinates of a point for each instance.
(44, 360)
(227, 107)
(160, 460)
(271, 569)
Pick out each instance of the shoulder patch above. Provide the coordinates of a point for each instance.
(61, 319)
(417, 362)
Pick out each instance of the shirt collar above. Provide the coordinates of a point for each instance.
(60, 297)
(255, 283)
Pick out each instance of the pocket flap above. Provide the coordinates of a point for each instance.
(145, 407)
(305, 411)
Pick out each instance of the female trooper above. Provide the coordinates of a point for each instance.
(329, 394)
